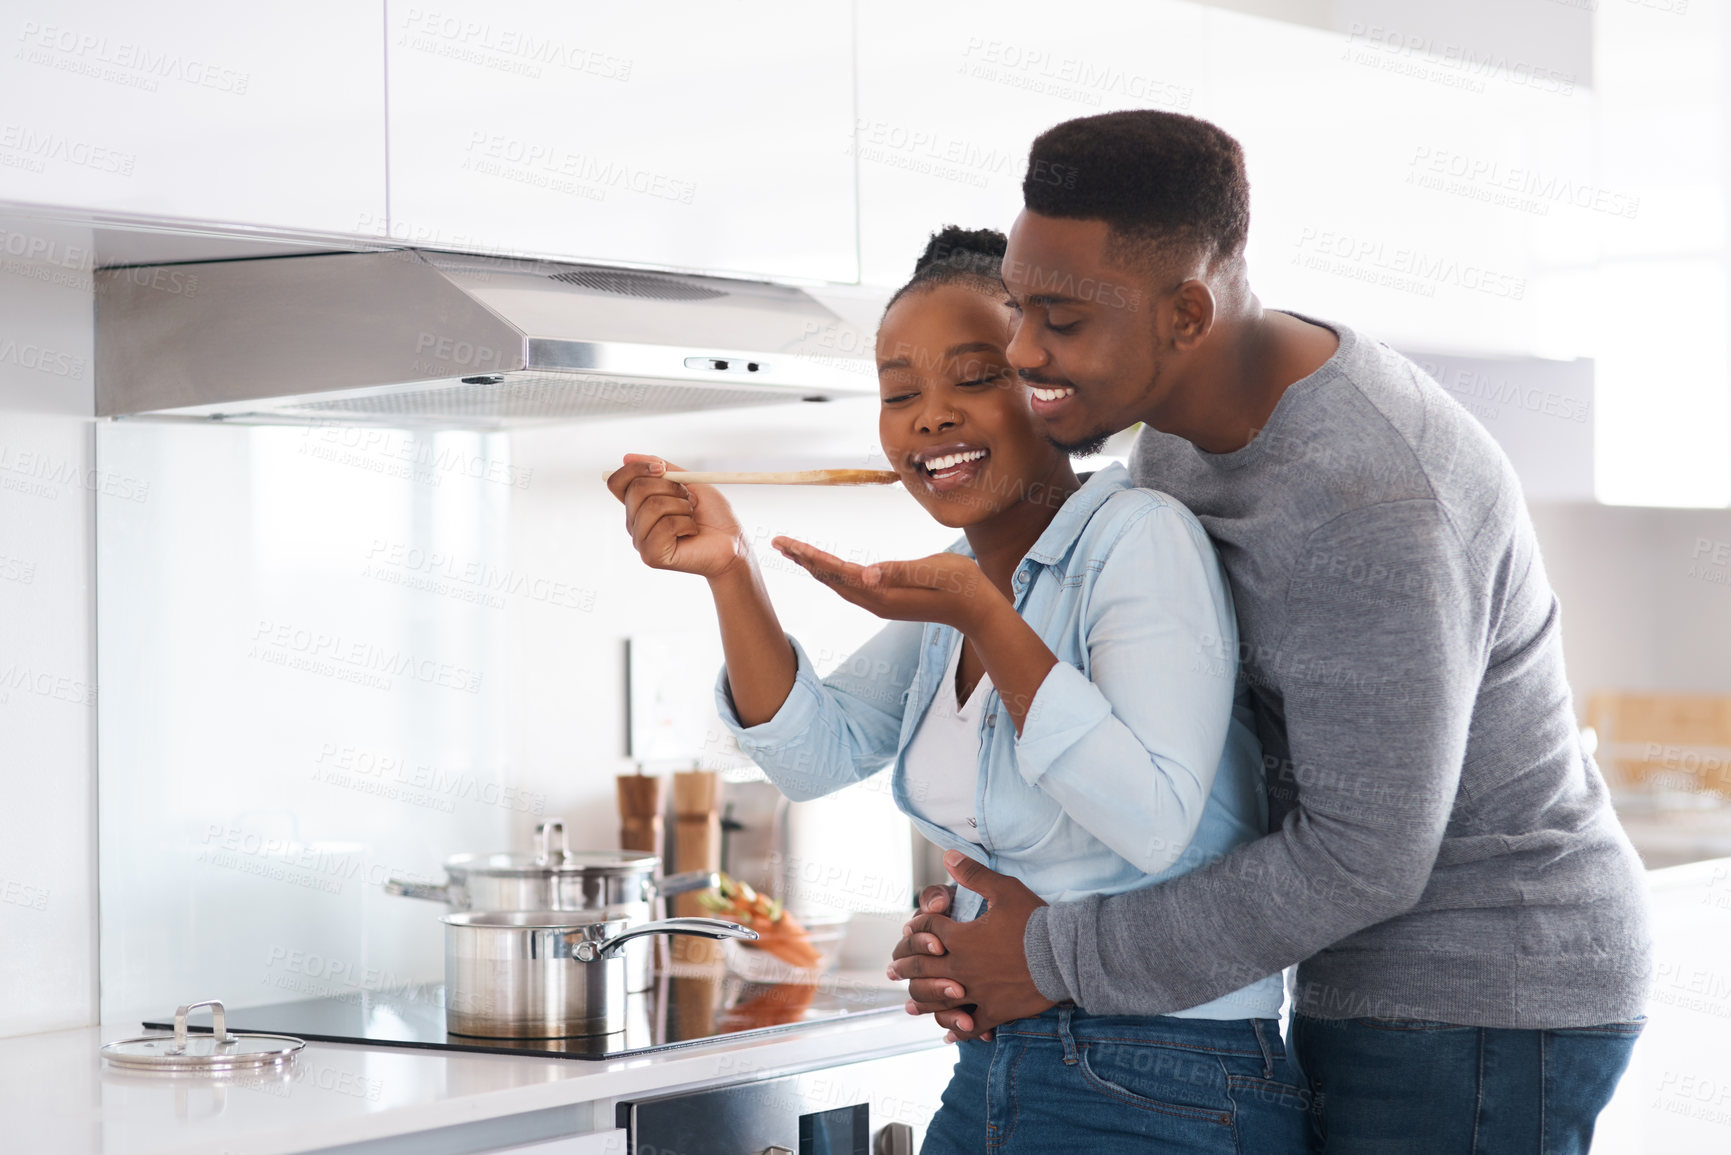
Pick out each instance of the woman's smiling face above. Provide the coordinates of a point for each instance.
(955, 420)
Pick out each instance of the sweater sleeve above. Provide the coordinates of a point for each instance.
(1377, 668)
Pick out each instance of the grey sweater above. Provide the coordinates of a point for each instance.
(1441, 846)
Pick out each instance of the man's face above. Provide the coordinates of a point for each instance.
(1086, 337)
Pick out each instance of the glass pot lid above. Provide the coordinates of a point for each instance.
(554, 857)
(216, 1052)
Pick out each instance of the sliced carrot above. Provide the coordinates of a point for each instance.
(778, 932)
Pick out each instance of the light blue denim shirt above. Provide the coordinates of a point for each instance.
(1137, 760)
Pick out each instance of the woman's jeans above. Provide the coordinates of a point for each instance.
(1070, 1083)
(1404, 1087)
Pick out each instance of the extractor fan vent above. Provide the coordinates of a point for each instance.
(550, 396)
(648, 286)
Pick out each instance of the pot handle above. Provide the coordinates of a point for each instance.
(544, 838)
(432, 892)
(683, 883)
(589, 950)
(218, 1025)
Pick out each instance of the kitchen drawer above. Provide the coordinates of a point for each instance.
(884, 1103)
(600, 1143)
(544, 1132)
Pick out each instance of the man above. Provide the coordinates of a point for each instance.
(1443, 862)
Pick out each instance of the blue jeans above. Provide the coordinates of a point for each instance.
(1404, 1087)
(1070, 1082)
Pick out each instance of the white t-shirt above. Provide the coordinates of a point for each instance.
(942, 760)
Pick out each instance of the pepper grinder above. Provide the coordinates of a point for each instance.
(696, 846)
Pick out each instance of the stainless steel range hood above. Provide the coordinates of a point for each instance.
(421, 338)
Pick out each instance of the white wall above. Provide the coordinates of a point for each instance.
(1645, 607)
(48, 480)
(1663, 435)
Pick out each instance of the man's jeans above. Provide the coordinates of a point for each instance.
(1070, 1083)
(1403, 1087)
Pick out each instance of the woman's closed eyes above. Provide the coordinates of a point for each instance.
(997, 378)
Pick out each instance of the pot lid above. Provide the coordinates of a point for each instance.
(595, 923)
(214, 1053)
(555, 857)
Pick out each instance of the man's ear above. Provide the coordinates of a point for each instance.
(1192, 314)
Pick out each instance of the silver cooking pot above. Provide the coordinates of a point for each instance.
(543, 975)
(607, 884)
(554, 878)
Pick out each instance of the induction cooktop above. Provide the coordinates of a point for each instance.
(681, 1010)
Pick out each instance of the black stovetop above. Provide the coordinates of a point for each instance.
(676, 1012)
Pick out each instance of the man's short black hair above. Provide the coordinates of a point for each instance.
(1159, 180)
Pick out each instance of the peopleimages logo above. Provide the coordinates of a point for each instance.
(54, 362)
(504, 48)
(395, 453)
(931, 153)
(1513, 186)
(315, 866)
(364, 663)
(1487, 397)
(1711, 561)
(1056, 74)
(46, 250)
(1403, 267)
(22, 679)
(1446, 62)
(469, 580)
(124, 61)
(465, 354)
(21, 894)
(550, 162)
(418, 783)
(34, 149)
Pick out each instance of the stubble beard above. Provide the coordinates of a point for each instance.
(1094, 442)
(1087, 448)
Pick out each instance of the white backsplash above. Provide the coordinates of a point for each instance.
(304, 695)
(331, 656)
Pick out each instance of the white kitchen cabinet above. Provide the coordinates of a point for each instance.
(49, 478)
(1434, 202)
(268, 115)
(1421, 198)
(950, 98)
(702, 135)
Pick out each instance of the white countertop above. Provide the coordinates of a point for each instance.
(1675, 1098)
(57, 1097)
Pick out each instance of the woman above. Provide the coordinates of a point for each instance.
(1056, 693)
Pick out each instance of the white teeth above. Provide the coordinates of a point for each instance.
(951, 460)
(1052, 394)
